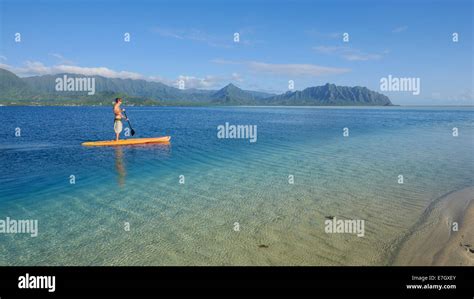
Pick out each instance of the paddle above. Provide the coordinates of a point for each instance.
(132, 131)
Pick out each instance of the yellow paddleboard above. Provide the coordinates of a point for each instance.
(164, 139)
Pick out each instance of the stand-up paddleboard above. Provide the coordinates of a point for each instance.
(131, 141)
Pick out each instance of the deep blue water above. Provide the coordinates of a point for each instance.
(226, 179)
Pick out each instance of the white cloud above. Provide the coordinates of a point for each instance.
(61, 59)
(329, 49)
(196, 82)
(35, 68)
(286, 69)
(348, 53)
(194, 34)
(225, 61)
(296, 69)
(237, 77)
(400, 29)
(207, 82)
(362, 57)
(184, 34)
(466, 95)
(318, 34)
(197, 35)
(166, 32)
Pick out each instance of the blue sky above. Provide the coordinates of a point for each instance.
(279, 41)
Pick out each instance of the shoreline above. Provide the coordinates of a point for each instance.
(434, 240)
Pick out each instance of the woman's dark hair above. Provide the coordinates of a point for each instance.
(117, 100)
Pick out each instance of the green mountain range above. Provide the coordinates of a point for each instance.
(331, 95)
(41, 90)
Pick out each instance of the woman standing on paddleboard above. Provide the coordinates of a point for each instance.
(118, 118)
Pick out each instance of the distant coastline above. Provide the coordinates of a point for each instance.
(77, 89)
(42, 104)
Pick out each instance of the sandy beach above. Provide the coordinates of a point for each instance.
(435, 241)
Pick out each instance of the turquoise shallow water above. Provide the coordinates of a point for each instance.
(226, 181)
